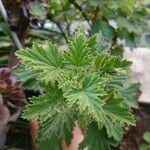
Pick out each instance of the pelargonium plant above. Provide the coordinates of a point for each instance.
(81, 86)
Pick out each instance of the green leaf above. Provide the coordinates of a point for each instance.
(97, 139)
(146, 137)
(27, 78)
(55, 118)
(129, 39)
(144, 147)
(92, 42)
(53, 143)
(95, 2)
(47, 63)
(102, 45)
(128, 91)
(37, 10)
(88, 97)
(77, 56)
(114, 116)
(39, 106)
(60, 123)
(127, 6)
(104, 62)
(117, 112)
(118, 81)
(114, 128)
(125, 23)
(103, 27)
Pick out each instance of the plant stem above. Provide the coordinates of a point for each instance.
(61, 30)
(78, 7)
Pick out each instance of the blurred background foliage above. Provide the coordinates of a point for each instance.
(119, 22)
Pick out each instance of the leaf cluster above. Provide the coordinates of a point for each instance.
(80, 87)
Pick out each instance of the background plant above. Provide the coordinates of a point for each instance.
(146, 143)
(116, 20)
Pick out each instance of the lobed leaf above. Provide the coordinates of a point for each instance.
(47, 64)
(97, 139)
(88, 98)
